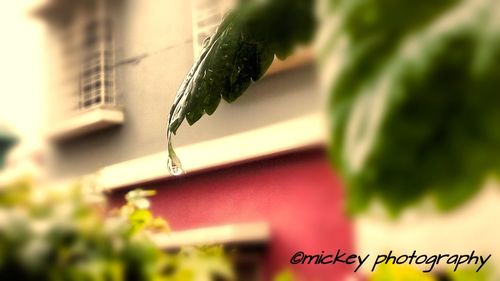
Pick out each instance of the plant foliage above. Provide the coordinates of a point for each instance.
(410, 273)
(414, 107)
(414, 96)
(239, 53)
(63, 235)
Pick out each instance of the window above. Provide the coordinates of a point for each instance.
(207, 15)
(81, 46)
(97, 66)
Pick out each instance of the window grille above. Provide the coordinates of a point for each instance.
(85, 42)
(97, 66)
(207, 15)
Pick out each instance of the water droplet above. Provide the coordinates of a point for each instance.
(173, 162)
(174, 167)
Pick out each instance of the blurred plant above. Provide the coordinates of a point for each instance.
(7, 140)
(136, 210)
(413, 97)
(470, 275)
(409, 273)
(414, 105)
(285, 275)
(400, 273)
(62, 235)
(201, 263)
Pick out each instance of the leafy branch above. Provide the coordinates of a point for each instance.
(239, 53)
(413, 104)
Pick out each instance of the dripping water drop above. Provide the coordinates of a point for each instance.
(173, 162)
(174, 167)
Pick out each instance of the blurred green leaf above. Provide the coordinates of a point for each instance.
(285, 275)
(400, 273)
(57, 235)
(470, 275)
(414, 108)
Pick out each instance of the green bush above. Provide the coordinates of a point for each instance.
(67, 235)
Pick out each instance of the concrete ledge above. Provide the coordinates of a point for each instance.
(283, 137)
(225, 234)
(85, 123)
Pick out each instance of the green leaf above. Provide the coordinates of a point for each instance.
(414, 110)
(140, 219)
(239, 53)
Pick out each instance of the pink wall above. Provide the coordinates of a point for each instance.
(297, 194)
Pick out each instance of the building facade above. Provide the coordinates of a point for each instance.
(257, 171)
(257, 167)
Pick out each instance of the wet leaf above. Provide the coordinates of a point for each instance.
(239, 53)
